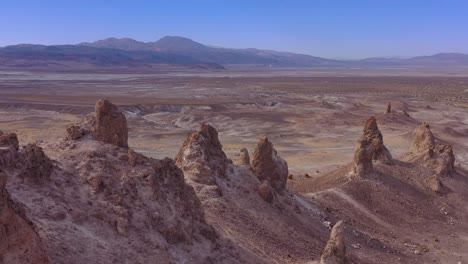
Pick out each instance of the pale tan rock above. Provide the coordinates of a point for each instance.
(369, 148)
(201, 156)
(389, 108)
(335, 250)
(244, 157)
(423, 140)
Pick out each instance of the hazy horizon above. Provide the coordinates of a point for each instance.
(326, 29)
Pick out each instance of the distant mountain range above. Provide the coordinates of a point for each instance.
(179, 51)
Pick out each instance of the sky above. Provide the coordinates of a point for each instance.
(349, 29)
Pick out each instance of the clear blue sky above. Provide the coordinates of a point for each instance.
(336, 29)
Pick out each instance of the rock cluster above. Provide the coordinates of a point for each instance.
(269, 167)
(19, 243)
(35, 165)
(201, 156)
(439, 158)
(335, 250)
(74, 132)
(369, 148)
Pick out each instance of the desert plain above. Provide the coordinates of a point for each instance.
(314, 119)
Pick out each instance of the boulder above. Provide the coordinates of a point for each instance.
(268, 166)
(74, 132)
(9, 139)
(265, 191)
(335, 250)
(201, 156)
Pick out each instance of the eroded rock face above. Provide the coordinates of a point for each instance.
(265, 191)
(335, 250)
(434, 183)
(423, 140)
(9, 139)
(110, 125)
(244, 158)
(35, 165)
(9, 145)
(369, 148)
(201, 156)
(19, 243)
(269, 166)
(74, 132)
(424, 150)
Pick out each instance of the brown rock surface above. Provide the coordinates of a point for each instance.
(265, 191)
(34, 163)
(19, 243)
(269, 166)
(110, 124)
(201, 156)
(335, 251)
(389, 108)
(9, 139)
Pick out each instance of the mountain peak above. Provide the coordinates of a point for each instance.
(177, 43)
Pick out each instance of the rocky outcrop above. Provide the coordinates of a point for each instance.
(201, 156)
(335, 250)
(389, 108)
(423, 140)
(434, 183)
(134, 158)
(19, 243)
(9, 145)
(265, 191)
(244, 157)
(424, 150)
(268, 166)
(110, 125)
(35, 165)
(74, 132)
(369, 148)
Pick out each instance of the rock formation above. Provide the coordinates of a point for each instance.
(434, 183)
(244, 158)
(134, 158)
(268, 166)
(389, 108)
(423, 140)
(35, 165)
(19, 243)
(9, 145)
(423, 149)
(201, 156)
(265, 191)
(110, 125)
(369, 148)
(335, 250)
(74, 132)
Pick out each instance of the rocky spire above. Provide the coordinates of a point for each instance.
(269, 166)
(110, 125)
(335, 250)
(389, 108)
(423, 140)
(370, 147)
(201, 156)
(244, 157)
